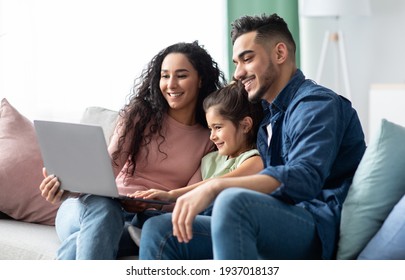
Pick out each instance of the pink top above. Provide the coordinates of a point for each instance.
(177, 166)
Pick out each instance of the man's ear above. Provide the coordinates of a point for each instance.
(281, 52)
(246, 124)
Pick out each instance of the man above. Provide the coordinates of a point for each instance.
(311, 142)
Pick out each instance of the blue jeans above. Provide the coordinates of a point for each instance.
(89, 227)
(94, 228)
(244, 225)
(389, 242)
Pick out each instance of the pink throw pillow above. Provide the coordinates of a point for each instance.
(21, 170)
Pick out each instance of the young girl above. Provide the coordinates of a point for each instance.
(233, 122)
(164, 115)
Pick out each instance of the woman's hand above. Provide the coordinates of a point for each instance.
(188, 206)
(49, 188)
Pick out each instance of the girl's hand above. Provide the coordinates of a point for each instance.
(188, 206)
(153, 194)
(49, 188)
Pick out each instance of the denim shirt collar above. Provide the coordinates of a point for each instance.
(283, 99)
(274, 111)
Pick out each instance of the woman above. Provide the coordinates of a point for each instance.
(164, 115)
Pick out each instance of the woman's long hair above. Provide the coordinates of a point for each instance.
(148, 106)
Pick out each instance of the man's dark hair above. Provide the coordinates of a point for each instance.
(267, 27)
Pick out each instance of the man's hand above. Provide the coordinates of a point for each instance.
(188, 206)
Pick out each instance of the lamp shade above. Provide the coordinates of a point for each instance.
(335, 8)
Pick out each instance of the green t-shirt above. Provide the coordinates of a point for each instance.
(214, 164)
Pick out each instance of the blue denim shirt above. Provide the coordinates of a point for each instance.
(316, 145)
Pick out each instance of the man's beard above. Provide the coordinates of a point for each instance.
(258, 95)
(268, 81)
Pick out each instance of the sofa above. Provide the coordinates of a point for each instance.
(27, 221)
(27, 228)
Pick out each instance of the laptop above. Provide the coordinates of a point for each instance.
(78, 155)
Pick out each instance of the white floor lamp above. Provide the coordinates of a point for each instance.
(335, 9)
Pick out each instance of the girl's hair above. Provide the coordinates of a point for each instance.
(143, 115)
(233, 104)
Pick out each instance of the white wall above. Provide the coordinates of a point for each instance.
(59, 56)
(375, 49)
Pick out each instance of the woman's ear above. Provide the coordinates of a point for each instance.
(246, 124)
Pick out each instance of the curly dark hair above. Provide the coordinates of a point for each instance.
(232, 103)
(148, 107)
(266, 26)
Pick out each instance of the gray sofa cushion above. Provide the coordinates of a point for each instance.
(28, 241)
(103, 117)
